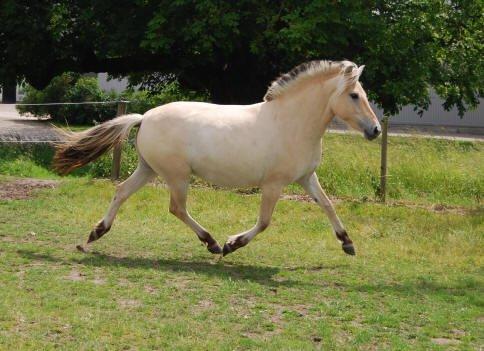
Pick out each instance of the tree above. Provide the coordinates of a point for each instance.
(233, 49)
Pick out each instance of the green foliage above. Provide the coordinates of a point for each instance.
(143, 100)
(34, 160)
(72, 87)
(26, 160)
(233, 49)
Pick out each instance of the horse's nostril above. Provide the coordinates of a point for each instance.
(376, 131)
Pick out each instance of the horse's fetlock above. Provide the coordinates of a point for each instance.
(176, 211)
(263, 225)
(342, 236)
(99, 230)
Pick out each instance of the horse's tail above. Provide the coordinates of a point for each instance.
(78, 149)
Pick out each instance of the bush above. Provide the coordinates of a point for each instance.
(143, 100)
(73, 87)
(70, 87)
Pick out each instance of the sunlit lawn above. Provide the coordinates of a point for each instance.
(415, 284)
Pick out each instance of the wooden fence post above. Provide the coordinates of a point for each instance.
(383, 161)
(117, 148)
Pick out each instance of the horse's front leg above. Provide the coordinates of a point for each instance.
(311, 184)
(270, 195)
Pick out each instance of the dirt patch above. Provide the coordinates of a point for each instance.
(99, 281)
(205, 304)
(24, 188)
(458, 333)
(445, 341)
(295, 197)
(306, 198)
(129, 303)
(150, 289)
(75, 276)
(437, 208)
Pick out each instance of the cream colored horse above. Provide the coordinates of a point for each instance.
(268, 145)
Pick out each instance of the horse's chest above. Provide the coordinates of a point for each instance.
(303, 165)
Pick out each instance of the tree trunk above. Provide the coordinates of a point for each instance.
(9, 91)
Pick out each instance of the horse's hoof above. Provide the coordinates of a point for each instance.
(215, 249)
(227, 249)
(81, 249)
(349, 249)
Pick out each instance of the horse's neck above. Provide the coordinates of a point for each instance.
(306, 113)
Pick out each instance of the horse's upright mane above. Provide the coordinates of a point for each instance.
(347, 69)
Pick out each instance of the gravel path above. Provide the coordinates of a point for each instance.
(14, 128)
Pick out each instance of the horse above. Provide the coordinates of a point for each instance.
(266, 145)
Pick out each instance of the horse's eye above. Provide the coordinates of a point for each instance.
(354, 96)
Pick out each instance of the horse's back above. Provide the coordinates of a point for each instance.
(224, 144)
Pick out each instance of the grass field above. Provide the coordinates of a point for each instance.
(415, 284)
(426, 171)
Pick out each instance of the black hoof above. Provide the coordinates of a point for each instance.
(349, 249)
(227, 249)
(98, 232)
(81, 249)
(215, 249)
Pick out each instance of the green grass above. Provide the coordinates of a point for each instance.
(148, 284)
(419, 169)
(424, 171)
(417, 276)
(34, 160)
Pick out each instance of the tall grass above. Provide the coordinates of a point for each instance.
(432, 169)
(420, 170)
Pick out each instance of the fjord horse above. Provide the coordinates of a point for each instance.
(268, 145)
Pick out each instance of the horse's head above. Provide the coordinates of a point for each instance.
(350, 103)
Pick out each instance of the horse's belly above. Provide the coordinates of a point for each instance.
(236, 172)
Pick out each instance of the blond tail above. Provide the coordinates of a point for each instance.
(78, 149)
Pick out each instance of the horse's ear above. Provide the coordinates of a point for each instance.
(360, 70)
(348, 70)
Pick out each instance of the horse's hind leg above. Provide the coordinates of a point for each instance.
(178, 199)
(140, 177)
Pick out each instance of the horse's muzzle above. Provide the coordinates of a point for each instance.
(372, 133)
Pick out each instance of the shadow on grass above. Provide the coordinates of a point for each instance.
(263, 275)
(467, 288)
